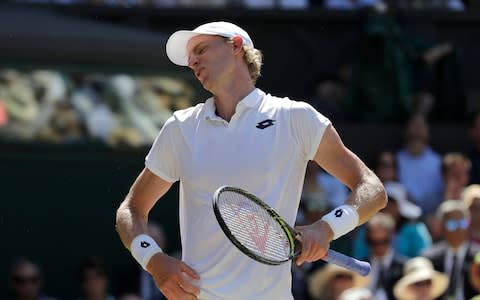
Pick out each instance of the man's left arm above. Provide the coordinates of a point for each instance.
(367, 197)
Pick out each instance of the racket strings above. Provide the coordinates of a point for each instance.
(253, 226)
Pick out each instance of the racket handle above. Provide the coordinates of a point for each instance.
(348, 262)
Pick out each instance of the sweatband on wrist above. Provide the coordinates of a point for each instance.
(342, 220)
(143, 247)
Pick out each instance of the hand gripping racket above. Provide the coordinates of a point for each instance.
(259, 232)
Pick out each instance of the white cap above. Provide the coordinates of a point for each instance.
(177, 42)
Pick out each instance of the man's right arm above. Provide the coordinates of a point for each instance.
(132, 215)
(132, 218)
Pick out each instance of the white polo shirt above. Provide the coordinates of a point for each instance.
(264, 149)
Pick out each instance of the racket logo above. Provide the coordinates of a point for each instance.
(338, 213)
(258, 233)
(144, 244)
(265, 123)
(250, 222)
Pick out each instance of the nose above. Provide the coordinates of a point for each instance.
(192, 61)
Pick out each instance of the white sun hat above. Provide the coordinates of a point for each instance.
(416, 270)
(398, 192)
(177, 43)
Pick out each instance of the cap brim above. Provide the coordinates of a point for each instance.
(177, 46)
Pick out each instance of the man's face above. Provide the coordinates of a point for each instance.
(379, 240)
(26, 282)
(422, 289)
(458, 173)
(475, 213)
(211, 59)
(455, 226)
(417, 130)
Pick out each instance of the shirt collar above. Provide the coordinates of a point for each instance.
(460, 252)
(386, 260)
(249, 101)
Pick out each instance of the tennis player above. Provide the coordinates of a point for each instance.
(243, 137)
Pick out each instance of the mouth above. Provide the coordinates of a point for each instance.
(198, 72)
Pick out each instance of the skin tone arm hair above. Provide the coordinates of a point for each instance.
(367, 196)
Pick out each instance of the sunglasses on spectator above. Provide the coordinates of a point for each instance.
(422, 283)
(21, 280)
(452, 225)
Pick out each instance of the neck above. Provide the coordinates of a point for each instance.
(455, 245)
(233, 87)
(226, 99)
(416, 148)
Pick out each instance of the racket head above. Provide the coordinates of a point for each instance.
(239, 214)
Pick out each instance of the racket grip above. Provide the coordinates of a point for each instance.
(348, 262)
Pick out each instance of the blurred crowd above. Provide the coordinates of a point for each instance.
(454, 5)
(422, 245)
(58, 107)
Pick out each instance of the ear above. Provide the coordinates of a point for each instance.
(237, 43)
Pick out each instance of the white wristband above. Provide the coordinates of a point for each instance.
(143, 247)
(342, 220)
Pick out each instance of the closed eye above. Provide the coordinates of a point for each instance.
(199, 49)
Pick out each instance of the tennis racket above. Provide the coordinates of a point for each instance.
(259, 232)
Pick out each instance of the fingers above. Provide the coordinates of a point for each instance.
(306, 252)
(189, 285)
(174, 278)
(313, 248)
(180, 287)
(190, 289)
(176, 292)
(187, 269)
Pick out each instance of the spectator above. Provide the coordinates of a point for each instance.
(475, 275)
(404, 212)
(352, 4)
(385, 166)
(282, 4)
(356, 293)
(455, 172)
(419, 167)
(420, 281)
(474, 150)
(471, 199)
(407, 226)
(202, 3)
(386, 263)
(454, 5)
(64, 126)
(94, 280)
(328, 282)
(26, 281)
(21, 105)
(454, 255)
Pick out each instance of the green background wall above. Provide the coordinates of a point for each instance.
(58, 206)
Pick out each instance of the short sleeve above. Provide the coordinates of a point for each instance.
(163, 157)
(308, 126)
